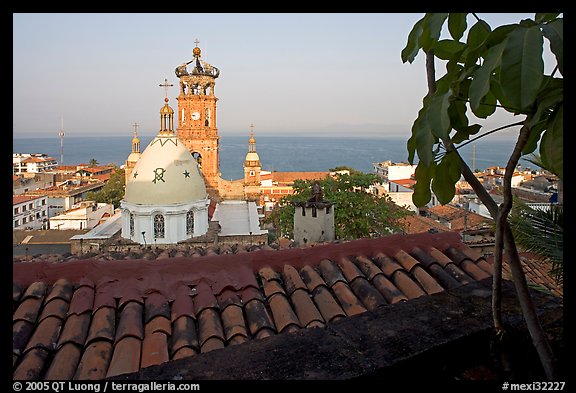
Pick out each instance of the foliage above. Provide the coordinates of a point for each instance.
(540, 232)
(93, 162)
(345, 168)
(113, 190)
(501, 68)
(357, 212)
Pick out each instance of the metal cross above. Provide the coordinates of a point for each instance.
(135, 127)
(252, 127)
(196, 41)
(166, 86)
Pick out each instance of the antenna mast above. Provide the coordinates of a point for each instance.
(61, 135)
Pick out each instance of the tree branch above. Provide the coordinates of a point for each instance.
(490, 132)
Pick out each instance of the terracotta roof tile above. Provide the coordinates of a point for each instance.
(28, 310)
(311, 278)
(427, 282)
(379, 280)
(130, 292)
(155, 305)
(16, 294)
(46, 334)
(229, 297)
(104, 295)
(212, 343)
(204, 297)
(257, 317)
(82, 300)
(440, 257)
(331, 273)
(250, 293)
(63, 366)
(284, 316)
(95, 361)
(386, 264)
(442, 276)
(31, 366)
(407, 285)
(349, 302)
(183, 353)
(271, 288)
(75, 330)
(351, 271)
(57, 307)
(21, 333)
(62, 289)
(307, 313)
(406, 260)
(103, 326)
(292, 279)
(368, 294)
(209, 326)
(466, 264)
(328, 306)
(183, 303)
(184, 336)
(126, 356)
(130, 323)
(154, 348)
(234, 323)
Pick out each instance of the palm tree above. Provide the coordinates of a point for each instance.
(93, 162)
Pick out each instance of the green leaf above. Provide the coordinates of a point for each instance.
(478, 34)
(423, 138)
(457, 24)
(499, 34)
(554, 32)
(457, 113)
(446, 175)
(412, 47)
(549, 97)
(433, 23)
(480, 85)
(465, 133)
(423, 175)
(528, 23)
(541, 18)
(535, 133)
(551, 145)
(522, 67)
(496, 88)
(437, 115)
(487, 106)
(448, 49)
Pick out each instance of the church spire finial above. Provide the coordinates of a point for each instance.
(166, 86)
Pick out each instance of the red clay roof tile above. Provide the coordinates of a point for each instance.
(257, 317)
(440, 257)
(386, 264)
(82, 300)
(104, 295)
(36, 290)
(183, 303)
(328, 306)
(31, 366)
(330, 273)
(184, 335)
(426, 281)
(46, 334)
(63, 366)
(126, 356)
(62, 289)
(75, 329)
(388, 289)
(28, 310)
(367, 267)
(204, 298)
(237, 340)
(311, 278)
(473, 270)
(229, 297)
(103, 326)
(408, 287)
(130, 292)
(184, 352)
(268, 274)
(209, 325)
(56, 308)
(351, 272)
(282, 313)
(370, 297)
(234, 323)
(21, 333)
(264, 332)
(458, 274)
(292, 279)
(155, 305)
(95, 361)
(154, 348)
(211, 344)
(406, 260)
(305, 309)
(272, 288)
(16, 293)
(158, 324)
(250, 293)
(349, 302)
(130, 323)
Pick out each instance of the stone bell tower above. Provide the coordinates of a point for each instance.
(197, 115)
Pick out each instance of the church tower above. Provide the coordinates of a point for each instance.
(134, 156)
(197, 115)
(252, 168)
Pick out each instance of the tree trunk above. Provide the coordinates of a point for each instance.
(505, 240)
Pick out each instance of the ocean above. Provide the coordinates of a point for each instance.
(277, 153)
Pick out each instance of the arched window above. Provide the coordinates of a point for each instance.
(207, 117)
(190, 223)
(183, 116)
(158, 226)
(131, 224)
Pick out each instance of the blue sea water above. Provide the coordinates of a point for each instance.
(277, 153)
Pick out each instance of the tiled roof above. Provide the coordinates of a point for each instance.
(456, 217)
(415, 223)
(93, 319)
(16, 199)
(289, 177)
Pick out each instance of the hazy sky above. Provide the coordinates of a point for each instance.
(286, 73)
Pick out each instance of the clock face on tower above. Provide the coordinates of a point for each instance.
(195, 115)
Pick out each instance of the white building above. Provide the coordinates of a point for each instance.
(238, 218)
(29, 211)
(389, 171)
(85, 215)
(165, 200)
(32, 163)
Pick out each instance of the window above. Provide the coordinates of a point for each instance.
(327, 209)
(303, 211)
(30, 206)
(16, 223)
(190, 223)
(23, 208)
(131, 224)
(16, 210)
(24, 220)
(43, 202)
(314, 212)
(158, 226)
(252, 173)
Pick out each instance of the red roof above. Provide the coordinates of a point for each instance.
(16, 199)
(92, 319)
(290, 177)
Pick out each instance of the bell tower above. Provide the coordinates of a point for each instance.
(197, 115)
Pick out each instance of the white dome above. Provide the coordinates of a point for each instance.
(166, 173)
(252, 156)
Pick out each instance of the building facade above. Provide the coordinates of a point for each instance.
(29, 212)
